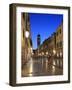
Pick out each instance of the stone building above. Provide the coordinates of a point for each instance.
(53, 47)
(48, 46)
(52, 44)
(59, 41)
(26, 42)
(59, 46)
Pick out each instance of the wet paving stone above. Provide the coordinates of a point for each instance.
(40, 67)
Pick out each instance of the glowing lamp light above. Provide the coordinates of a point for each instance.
(31, 50)
(54, 51)
(26, 34)
(60, 54)
(42, 53)
(57, 55)
(31, 68)
(46, 53)
(54, 63)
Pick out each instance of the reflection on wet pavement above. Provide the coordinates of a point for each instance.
(40, 67)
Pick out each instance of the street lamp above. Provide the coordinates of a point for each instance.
(60, 54)
(57, 55)
(27, 34)
(42, 53)
(46, 53)
(54, 51)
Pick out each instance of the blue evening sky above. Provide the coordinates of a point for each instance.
(43, 24)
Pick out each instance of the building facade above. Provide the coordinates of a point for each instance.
(59, 41)
(59, 46)
(53, 47)
(47, 48)
(26, 42)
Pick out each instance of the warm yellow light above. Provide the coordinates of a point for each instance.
(46, 53)
(31, 68)
(53, 69)
(31, 50)
(39, 54)
(61, 54)
(54, 51)
(42, 53)
(57, 55)
(54, 63)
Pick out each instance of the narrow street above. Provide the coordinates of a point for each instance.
(40, 66)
